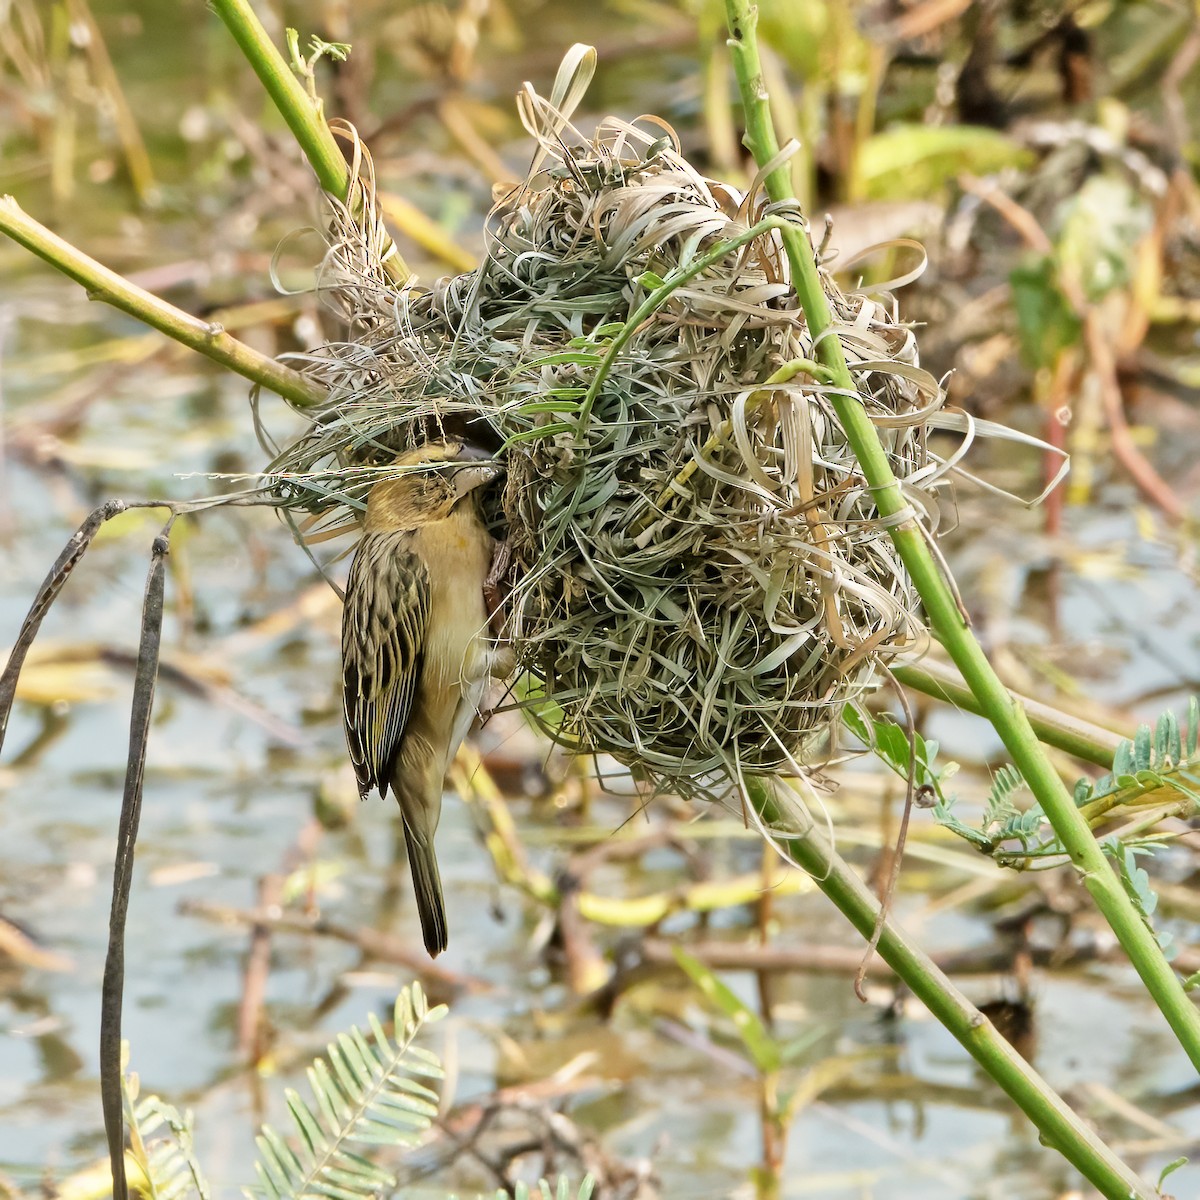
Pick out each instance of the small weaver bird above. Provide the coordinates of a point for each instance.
(416, 657)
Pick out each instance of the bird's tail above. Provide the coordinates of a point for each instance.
(427, 884)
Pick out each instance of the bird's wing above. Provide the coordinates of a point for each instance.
(383, 635)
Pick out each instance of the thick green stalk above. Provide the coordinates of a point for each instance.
(297, 108)
(1085, 741)
(295, 105)
(209, 339)
(947, 621)
(1059, 1127)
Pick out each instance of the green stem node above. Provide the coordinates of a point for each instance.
(209, 339)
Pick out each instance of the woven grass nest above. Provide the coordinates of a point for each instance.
(701, 581)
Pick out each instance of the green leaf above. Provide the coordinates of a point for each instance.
(1158, 765)
(800, 33)
(1168, 746)
(913, 161)
(891, 743)
(761, 1048)
(1000, 810)
(166, 1136)
(1141, 749)
(544, 1191)
(1123, 759)
(1098, 230)
(796, 1048)
(320, 48)
(535, 704)
(544, 406)
(1046, 322)
(540, 433)
(943, 814)
(1137, 885)
(1170, 1169)
(561, 359)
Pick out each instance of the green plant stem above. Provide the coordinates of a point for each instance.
(1059, 1127)
(948, 622)
(298, 109)
(295, 105)
(1085, 741)
(101, 283)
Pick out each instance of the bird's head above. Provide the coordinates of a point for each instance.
(432, 480)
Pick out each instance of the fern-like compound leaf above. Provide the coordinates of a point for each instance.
(1157, 772)
(364, 1095)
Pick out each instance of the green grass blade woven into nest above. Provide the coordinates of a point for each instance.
(701, 577)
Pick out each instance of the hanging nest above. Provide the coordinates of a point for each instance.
(701, 579)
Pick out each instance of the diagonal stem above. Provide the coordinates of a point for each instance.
(948, 623)
(1060, 1128)
(302, 115)
(295, 105)
(1083, 739)
(101, 283)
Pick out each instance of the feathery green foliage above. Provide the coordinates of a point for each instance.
(1137, 883)
(1155, 774)
(366, 1092)
(543, 1191)
(366, 1095)
(161, 1145)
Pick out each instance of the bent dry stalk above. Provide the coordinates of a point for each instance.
(113, 988)
(145, 680)
(54, 582)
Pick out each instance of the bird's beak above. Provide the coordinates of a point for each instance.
(467, 479)
(470, 453)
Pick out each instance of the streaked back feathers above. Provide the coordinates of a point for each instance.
(413, 660)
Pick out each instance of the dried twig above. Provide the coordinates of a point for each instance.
(372, 942)
(131, 810)
(57, 577)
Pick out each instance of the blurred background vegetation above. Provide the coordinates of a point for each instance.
(1044, 154)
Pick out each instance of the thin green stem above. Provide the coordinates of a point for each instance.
(297, 108)
(657, 296)
(948, 622)
(1085, 741)
(1058, 1125)
(295, 105)
(209, 339)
